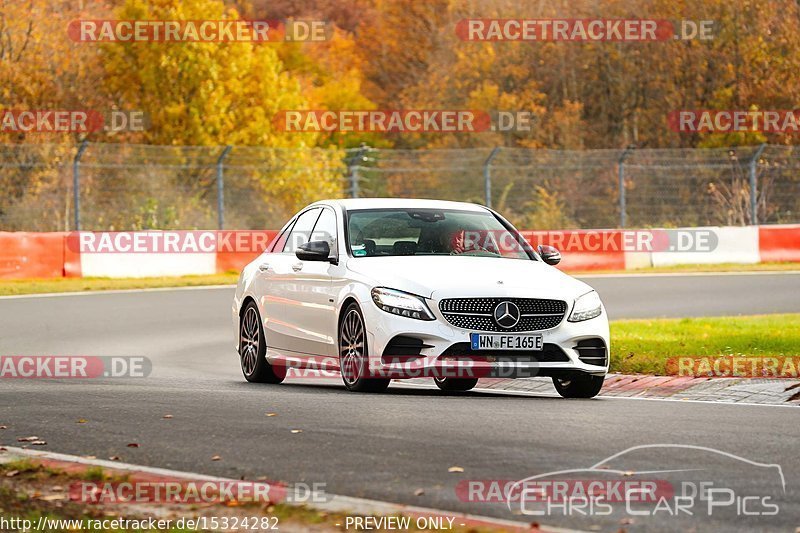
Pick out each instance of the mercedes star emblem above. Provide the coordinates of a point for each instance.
(506, 315)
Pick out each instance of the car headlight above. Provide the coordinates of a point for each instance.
(401, 303)
(586, 307)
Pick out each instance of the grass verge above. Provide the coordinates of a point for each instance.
(12, 287)
(32, 491)
(643, 346)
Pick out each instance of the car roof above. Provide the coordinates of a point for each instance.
(401, 203)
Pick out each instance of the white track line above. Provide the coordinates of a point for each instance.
(334, 503)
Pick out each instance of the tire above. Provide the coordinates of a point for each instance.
(455, 384)
(353, 353)
(578, 385)
(253, 348)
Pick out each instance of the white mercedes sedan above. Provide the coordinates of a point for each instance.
(382, 289)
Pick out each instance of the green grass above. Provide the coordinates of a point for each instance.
(96, 473)
(38, 286)
(20, 465)
(643, 346)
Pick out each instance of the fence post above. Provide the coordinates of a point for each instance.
(623, 207)
(754, 185)
(221, 187)
(354, 168)
(487, 176)
(76, 183)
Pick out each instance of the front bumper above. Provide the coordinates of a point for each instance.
(443, 348)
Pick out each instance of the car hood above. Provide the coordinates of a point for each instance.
(440, 277)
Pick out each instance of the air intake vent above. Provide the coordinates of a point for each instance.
(592, 351)
(402, 349)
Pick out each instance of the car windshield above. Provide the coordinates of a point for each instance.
(393, 232)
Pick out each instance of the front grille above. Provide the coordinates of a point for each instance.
(592, 351)
(476, 313)
(550, 353)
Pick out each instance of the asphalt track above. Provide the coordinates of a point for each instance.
(384, 446)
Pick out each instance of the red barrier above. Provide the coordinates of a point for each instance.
(583, 249)
(31, 255)
(72, 257)
(779, 243)
(47, 255)
(237, 256)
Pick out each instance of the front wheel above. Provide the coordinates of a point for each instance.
(578, 385)
(353, 354)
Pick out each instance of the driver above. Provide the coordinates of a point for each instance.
(457, 243)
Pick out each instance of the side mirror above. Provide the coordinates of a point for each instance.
(314, 251)
(550, 255)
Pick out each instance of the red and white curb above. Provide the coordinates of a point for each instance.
(723, 391)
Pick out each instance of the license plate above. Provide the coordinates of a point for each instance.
(484, 341)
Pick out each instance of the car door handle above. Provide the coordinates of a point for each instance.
(297, 266)
(264, 267)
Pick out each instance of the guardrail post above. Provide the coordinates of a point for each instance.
(623, 207)
(221, 187)
(354, 168)
(754, 185)
(487, 176)
(76, 182)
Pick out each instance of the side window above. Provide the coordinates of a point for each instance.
(325, 230)
(277, 246)
(302, 230)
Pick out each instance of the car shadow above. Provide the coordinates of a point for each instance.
(398, 389)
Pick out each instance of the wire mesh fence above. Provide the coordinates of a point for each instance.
(562, 189)
(132, 187)
(93, 186)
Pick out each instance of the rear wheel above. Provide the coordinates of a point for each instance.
(353, 354)
(253, 348)
(578, 385)
(455, 384)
